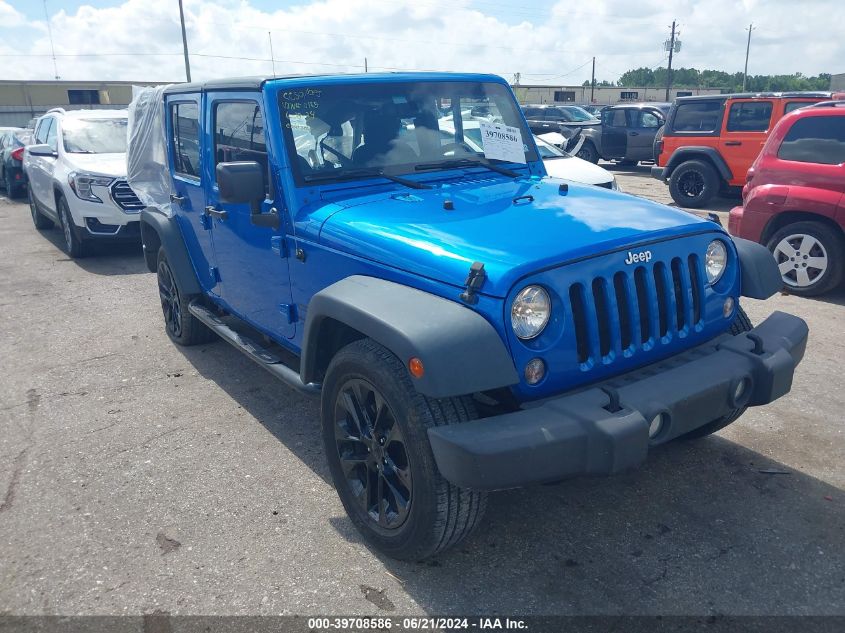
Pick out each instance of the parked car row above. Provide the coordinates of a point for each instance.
(468, 322)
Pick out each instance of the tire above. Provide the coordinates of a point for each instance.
(41, 223)
(74, 245)
(693, 184)
(588, 152)
(414, 513)
(181, 326)
(802, 243)
(741, 323)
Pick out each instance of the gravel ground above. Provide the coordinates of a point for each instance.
(138, 477)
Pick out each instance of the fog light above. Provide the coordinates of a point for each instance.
(739, 390)
(728, 308)
(535, 370)
(656, 425)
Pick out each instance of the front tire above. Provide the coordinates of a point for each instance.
(181, 326)
(741, 323)
(693, 184)
(41, 223)
(375, 435)
(810, 256)
(588, 152)
(74, 246)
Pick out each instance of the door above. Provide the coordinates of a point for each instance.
(641, 134)
(184, 130)
(252, 259)
(614, 132)
(41, 167)
(744, 132)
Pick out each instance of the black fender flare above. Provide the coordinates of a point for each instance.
(683, 154)
(157, 230)
(759, 274)
(461, 351)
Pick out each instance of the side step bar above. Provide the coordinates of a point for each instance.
(261, 355)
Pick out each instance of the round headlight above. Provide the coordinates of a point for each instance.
(530, 312)
(715, 260)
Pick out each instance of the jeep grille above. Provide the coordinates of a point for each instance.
(124, 197)
(636, 307)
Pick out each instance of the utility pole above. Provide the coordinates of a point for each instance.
(365, 65)
(593, 83)
(272, 57)
(671, 50)
(747, 50)
(185, 43)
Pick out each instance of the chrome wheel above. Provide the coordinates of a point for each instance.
(170, 305)
(802, 260)
(372, 454)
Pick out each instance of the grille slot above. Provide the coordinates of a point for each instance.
(635, 308)
(124, 197)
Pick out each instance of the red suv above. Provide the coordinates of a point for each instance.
(794, 198)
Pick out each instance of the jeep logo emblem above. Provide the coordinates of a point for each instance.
(635, 258)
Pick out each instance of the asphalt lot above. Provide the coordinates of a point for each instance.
(138, 477)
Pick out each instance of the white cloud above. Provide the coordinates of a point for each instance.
(552, 42)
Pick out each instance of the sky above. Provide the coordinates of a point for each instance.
(545, 41)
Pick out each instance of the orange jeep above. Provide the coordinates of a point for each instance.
(702, 152)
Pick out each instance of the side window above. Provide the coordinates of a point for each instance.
(817, 139)
(749, 116)
(184, 121)
(649, 119)
(794, 105)
(697, 116)
(52, 135)
(239, 133)
(553, 114)
(615, 118)
(43, 128)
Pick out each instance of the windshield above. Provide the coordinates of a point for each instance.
(578, 114)
(354, 130)
(94, 136)
(547, 150)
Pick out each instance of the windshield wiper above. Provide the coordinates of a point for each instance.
(467, 162)
(353, 173)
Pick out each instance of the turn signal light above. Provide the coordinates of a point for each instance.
(415, 366)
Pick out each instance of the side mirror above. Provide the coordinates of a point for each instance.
(42, 150)
(243, 183)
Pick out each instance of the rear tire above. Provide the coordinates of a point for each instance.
(375, 432)
(41, 223)
(588, 152)
(693, 184)
(181, 326)
(801, 243)
(741, 323)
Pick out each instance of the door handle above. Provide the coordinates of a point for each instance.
(215, 212)
(733, 143)
(176, 198)
(633, 133)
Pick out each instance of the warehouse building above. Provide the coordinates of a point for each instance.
(20, 101)
(603, 94)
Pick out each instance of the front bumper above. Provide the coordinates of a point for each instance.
(657, 172)
(605, 428)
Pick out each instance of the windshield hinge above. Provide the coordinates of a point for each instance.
(475, 279)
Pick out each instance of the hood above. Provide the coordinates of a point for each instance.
(101, 164)
(577, 169)
(411, 230)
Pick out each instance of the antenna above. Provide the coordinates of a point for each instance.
(272, 58)
(52, 48)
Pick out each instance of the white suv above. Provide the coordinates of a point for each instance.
(77, 177)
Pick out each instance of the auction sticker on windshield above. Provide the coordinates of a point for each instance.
(502, 142)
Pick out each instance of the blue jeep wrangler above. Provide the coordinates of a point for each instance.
(392, 244)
